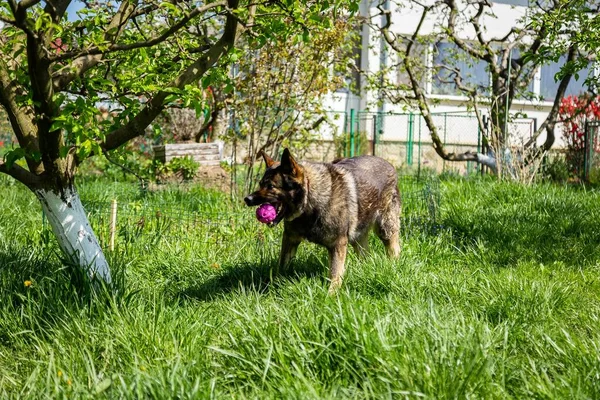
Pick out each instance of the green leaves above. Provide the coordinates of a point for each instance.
(14, 155)
(95, 94)
(83, 124)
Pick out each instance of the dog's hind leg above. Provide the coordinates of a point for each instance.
(337, 264)
(387, 226)
(361, 245)
(289, 245)
(392, 245)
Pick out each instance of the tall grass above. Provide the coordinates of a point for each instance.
(502, 303)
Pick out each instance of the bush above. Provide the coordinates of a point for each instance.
(574, 112)
(557, 170)
(361, 144)
(184, 168)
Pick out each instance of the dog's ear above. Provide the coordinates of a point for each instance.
(268, 160)
(288, 164)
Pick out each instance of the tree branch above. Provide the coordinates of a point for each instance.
(56, 8)
(21, 117)
(505, 38)
(138, 124)
(19, 173)
(8, 21)
(149, 43)
(550, 121)
(286, 135)
(438, 146)
(79, 65)
(455, 38)
(25, 4)
(490, 54)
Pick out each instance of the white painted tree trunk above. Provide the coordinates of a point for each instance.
(73, 232)
(487, 160)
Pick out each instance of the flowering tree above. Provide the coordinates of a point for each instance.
(574, 113)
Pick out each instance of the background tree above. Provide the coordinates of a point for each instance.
(204, 123)
(137, 57)
(280, 89)
(511, 62)
(575, 23)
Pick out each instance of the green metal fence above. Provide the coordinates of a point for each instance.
(404, 137)
(591, 159)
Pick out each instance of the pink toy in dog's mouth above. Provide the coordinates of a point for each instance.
(266, 213)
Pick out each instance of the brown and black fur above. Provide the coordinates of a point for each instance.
(332, 204)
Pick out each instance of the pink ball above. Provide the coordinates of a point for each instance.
(266, 213)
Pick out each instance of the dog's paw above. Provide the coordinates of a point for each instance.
(334, 287)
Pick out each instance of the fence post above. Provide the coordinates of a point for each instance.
(113, 223)
(482, 133)
(352, 132)
(409, 146)
(587, 155)
(344, 134)
(375, 134)
(477, 166)
(445, 137)
(357, 150)
(419, 152)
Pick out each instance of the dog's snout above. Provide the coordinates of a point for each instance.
(248, 200)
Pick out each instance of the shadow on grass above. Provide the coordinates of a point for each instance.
(36, 284)
(35, 291)
(259, 278)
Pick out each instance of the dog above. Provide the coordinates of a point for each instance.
(333, 205)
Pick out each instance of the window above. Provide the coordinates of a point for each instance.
(523, 3)
(525, 89)
(351, 76)
(549, 86)
(419, 54)
(472, 72)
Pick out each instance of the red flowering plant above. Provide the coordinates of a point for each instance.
(574, 112)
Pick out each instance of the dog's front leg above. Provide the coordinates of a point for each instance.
(289, 245)
(337, 264)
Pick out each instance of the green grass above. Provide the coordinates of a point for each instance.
(503, 303)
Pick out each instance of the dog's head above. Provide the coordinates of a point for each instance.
(282, 185)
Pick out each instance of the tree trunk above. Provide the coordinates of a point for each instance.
(73, 232)
(220, 124)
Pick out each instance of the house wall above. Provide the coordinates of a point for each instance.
(462, 132)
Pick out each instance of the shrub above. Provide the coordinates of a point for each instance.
(574, 112)
(185, 167)
(361, 144)
(557, 170)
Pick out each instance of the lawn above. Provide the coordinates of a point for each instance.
(502, 302)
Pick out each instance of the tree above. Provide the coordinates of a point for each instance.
(511, 62)
(279, 91)
(576, 23)
(135, 56)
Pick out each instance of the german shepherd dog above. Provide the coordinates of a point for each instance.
(333, 205)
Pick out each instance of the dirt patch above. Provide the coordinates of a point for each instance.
(213, 177)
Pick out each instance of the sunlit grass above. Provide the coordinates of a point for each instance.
(503, 303)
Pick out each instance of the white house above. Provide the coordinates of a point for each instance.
(458, 126)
